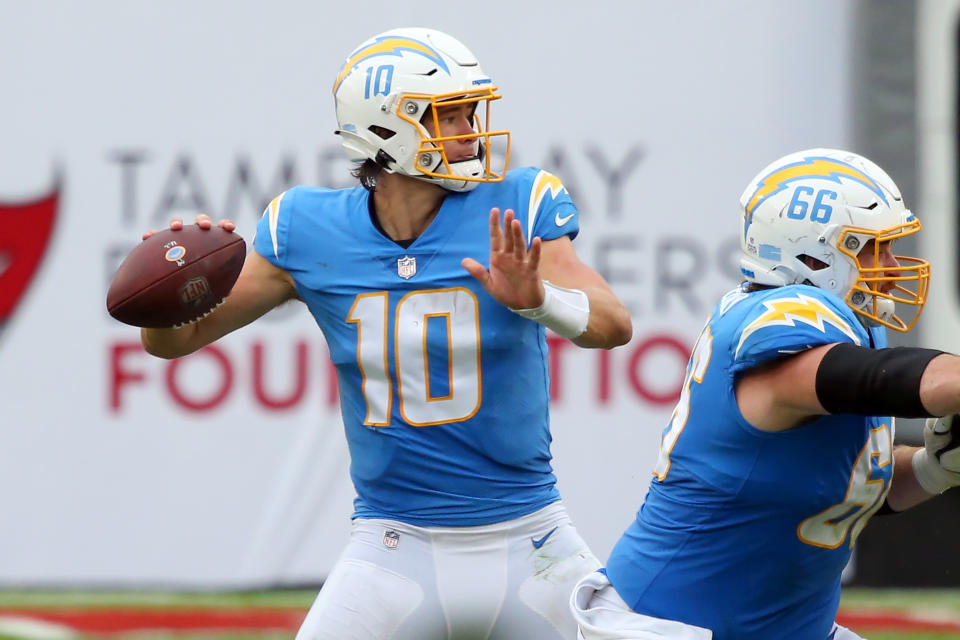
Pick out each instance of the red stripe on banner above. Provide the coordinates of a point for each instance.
(877, 620)
(127, 619)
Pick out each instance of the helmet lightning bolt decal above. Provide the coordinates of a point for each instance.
(388, 46)
(790, 311)
(541, 184)
(812, 167)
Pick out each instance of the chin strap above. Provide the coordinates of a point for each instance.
(886, 309)
(472, 168)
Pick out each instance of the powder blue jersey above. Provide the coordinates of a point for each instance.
(444, 392)
(746, 532)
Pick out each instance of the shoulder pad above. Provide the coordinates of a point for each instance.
(791, 319)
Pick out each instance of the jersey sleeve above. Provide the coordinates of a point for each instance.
(551, 213)
(273, 230)
(793, 319)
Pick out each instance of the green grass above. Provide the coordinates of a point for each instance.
(943, 599)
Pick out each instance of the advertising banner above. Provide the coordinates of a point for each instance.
(229, 468)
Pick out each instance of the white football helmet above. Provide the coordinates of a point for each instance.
(828, 204)
(395, 79)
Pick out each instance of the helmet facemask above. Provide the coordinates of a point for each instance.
(879, 291)
(432, 160)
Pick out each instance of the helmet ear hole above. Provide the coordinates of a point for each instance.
(814, 264)
(381, 132)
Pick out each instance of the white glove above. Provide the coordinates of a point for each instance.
(937, 465)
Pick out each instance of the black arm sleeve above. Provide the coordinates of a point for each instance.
(873, 382)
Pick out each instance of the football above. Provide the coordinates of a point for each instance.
(176, 277)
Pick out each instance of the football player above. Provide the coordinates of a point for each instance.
(433, 282)
(780, 448)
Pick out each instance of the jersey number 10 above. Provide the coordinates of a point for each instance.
(456, 308)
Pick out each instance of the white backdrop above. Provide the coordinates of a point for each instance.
(937, 135)
(229, 468)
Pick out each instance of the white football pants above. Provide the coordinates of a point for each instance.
(601, 614)
(506, 581)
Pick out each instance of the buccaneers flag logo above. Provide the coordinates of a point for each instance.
(25, 230)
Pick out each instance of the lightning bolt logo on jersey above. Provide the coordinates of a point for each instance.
(444, 392)
(788, 311)
(760, 524)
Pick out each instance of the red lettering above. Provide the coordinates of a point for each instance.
(628, 369)
(226, 369)
(603, 376)
(299, 387)
(119, 376)
(658, 390)
(557, 346)
(333, 384)
(634, 369)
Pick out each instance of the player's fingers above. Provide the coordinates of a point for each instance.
(176, 224)
(476, 270)
(227, 224)
(495, 239)
(148, 234)
(509, 239)
(203, 221)
(533, 256)
(519, 244)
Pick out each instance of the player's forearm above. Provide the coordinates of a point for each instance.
(905, 491)
(235, 312)
(609, 325)
(170, 343)
(940, 385)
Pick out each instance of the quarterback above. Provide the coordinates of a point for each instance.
(433, 281)
(780, 448)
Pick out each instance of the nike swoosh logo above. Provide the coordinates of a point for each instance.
(539, 543)
(562, 221)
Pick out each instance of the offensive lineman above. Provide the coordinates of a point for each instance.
(780, 448)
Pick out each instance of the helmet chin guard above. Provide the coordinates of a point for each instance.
(392, 82)
(812, 217)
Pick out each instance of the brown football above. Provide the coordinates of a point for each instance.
(175, 277)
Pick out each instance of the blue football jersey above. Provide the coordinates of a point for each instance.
(444, 392)
(746, 532)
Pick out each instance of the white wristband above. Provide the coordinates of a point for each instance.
(932, 477)
(566, 312)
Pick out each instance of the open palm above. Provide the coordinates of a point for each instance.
(513, 278)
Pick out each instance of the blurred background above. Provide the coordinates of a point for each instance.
(226, 472)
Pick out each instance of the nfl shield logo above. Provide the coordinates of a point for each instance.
(391, 539)
(406, 267)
